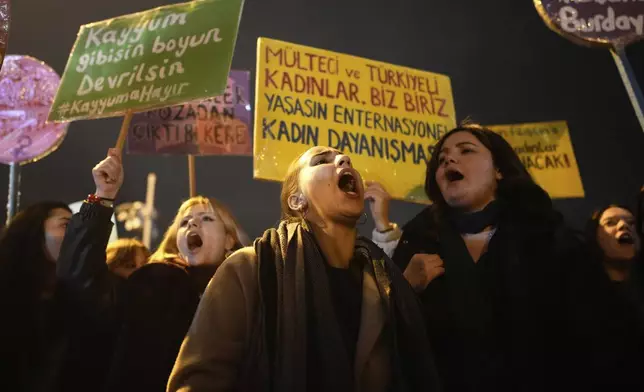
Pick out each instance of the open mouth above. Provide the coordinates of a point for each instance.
(348, 183)
(194, 241)
(626, 239)
(454, 175)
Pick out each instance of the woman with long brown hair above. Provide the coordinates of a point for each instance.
(490, 261)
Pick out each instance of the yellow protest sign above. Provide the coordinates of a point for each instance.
(386, 117)
(546, 151)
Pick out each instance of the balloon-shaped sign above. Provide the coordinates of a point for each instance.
(27, 90)
(5, 18)
(595, 22)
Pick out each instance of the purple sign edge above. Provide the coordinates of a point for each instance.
(242, 78)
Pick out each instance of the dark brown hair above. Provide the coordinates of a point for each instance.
(23, 258)
(522, 199)
(504, 157)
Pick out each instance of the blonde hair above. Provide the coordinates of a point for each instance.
(291, 184)
(122, 253)
(168, 247)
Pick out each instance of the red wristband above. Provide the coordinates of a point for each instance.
(94, 199)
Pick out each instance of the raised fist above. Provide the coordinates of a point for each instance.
(108, 175)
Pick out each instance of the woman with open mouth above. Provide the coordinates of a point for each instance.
(151, 309)
(312, 306)
(487, 259)
(613, 234)
(611, 301)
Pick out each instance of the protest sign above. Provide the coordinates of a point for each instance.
(216, 126)
(614, 24)
(5, 21)
(546, 151)
(595, 22)
(27, 88)
(386, 117)
(150, 59)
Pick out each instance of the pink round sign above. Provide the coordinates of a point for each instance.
(27, 90)
(614, 23)
(5, 18)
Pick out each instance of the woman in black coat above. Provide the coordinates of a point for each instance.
(41, 346)
(610, 304)
(490, 260)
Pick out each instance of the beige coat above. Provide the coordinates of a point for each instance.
(214, 348)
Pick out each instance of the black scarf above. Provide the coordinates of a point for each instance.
(476, 222)
(294, 292)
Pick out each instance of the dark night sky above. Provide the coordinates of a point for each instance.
(505, 67)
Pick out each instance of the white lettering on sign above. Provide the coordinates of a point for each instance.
(131, 35)
(571, 22)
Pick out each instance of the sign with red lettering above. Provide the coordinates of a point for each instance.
(216, 126)
(386, 117)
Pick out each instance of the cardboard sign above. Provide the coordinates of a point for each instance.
(546, 151)
(150, 59)
(595, 22)
(216, 126)
(386, 117)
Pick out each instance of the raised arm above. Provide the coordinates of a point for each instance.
(386, 234)
(81, 267)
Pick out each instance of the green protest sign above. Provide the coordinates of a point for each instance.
(156, 58)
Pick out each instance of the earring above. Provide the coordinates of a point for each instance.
(228, 253)
(363, 219)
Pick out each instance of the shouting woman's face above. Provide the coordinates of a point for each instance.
(202, 237)
(466, 176)
(616, 234)
(332, 188)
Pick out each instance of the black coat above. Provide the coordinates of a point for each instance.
(150, 311)
(44, 340)
(500, 324)
(609, 320)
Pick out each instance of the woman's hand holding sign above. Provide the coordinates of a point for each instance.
(108, 175)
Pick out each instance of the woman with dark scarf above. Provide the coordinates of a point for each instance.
(153, 308)
(489, 260)
(312, 306)
(610, 308)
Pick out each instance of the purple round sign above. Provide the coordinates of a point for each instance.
(27, 89)
(614, 23)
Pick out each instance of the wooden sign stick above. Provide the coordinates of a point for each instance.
(120, 142)
(149, 209)
(191, 175)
